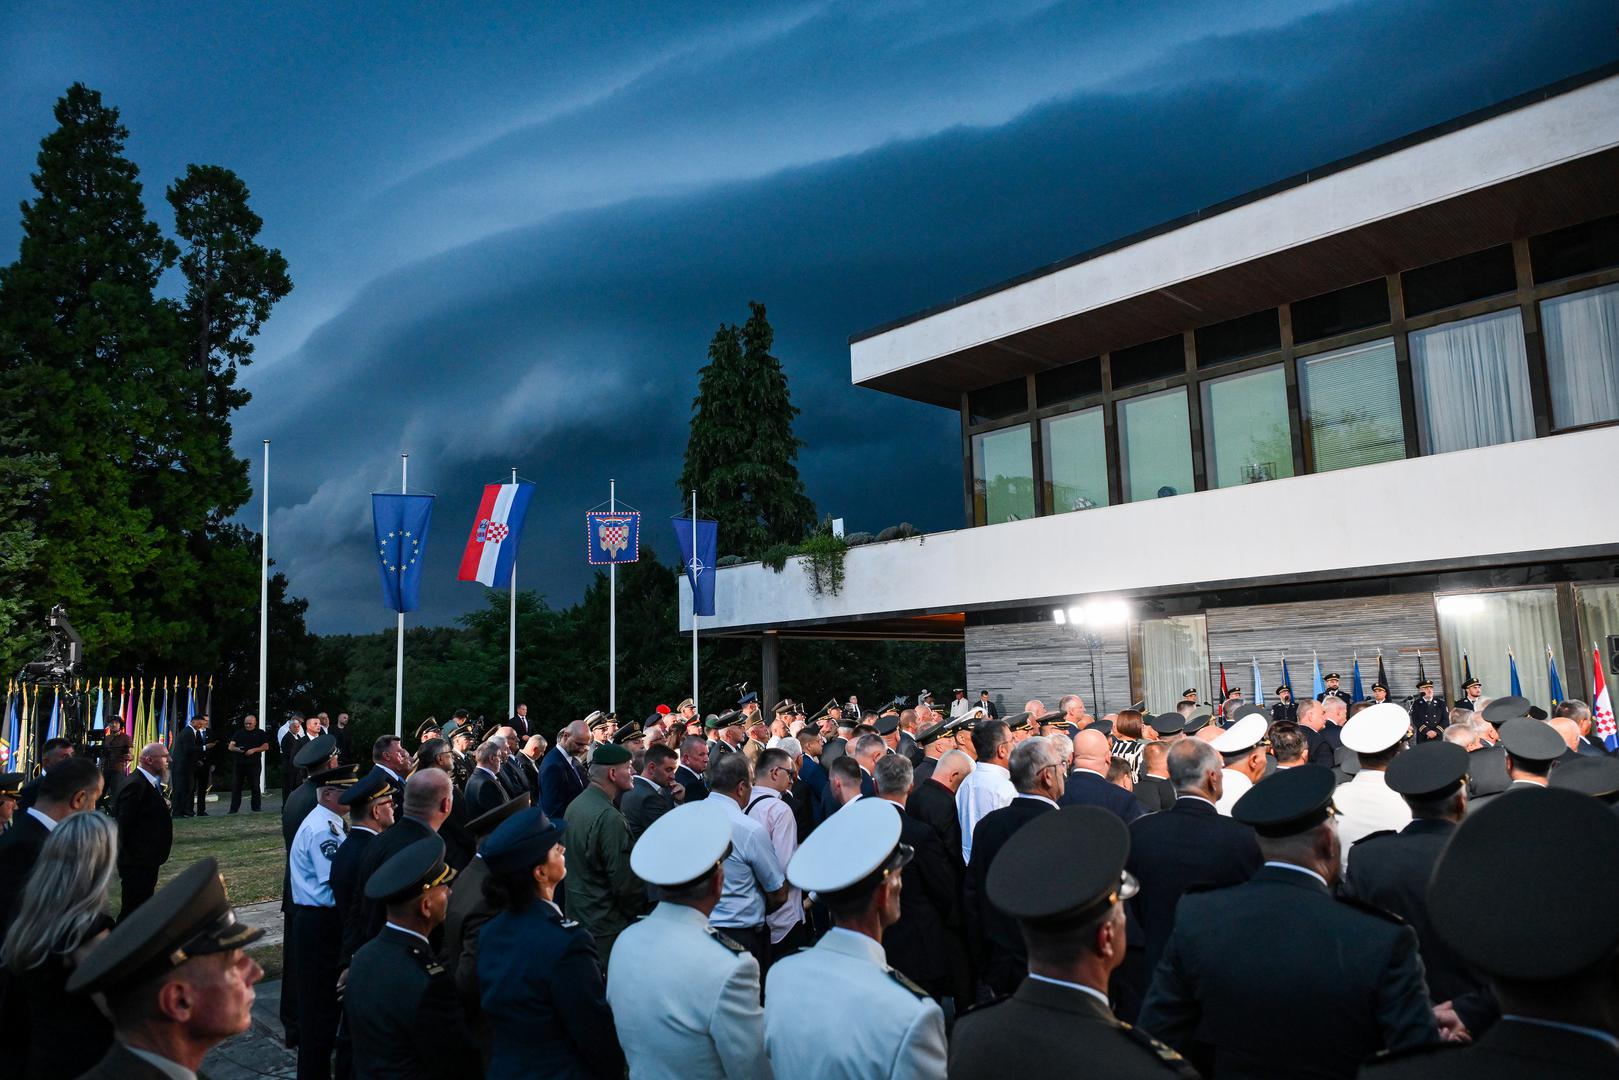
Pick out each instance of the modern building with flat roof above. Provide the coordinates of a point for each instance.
(1372, 410)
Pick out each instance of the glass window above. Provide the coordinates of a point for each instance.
(1139, 364)
(1251, 335)
(1155, 445)
(1245, 422)
(1598, 607)
(1075, 449)
(1578, 249)
(1003, 476)
(1174, 655)
(1333, 313)
(1455, 281)
(999, 402)
(1471, 382)
(1069, 383)
(1351, 402)
(1582, 356)
(1484, 626)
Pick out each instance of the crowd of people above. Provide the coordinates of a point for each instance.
(1315, 889)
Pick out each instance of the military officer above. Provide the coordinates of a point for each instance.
(1532, 748)
(465, 915)
(889, 1026)
(316, 755)
(602, 894)
(1471, 691)
(1597, 777)
(1552, 975)
(1429, 717)
(1074, 925)
(1242, 746)
(317, 924)
(1189, 696)
(705, 1023)
(430, 729)
(725, 733)
(370, 806)
(1286, 709)
(1332, 690)
(1365, 804)
(1380, 693)
(402, 1011)
(1347, 984)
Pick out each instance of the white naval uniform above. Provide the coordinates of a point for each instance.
(696, 1017)
(1233, 786)
(1366, 805)
(891, 1028)
(310, 859)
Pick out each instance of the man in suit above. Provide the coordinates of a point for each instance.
(53, 754)
(190, 746)
(1191, 844)
(520, 725)
(652, 793)
(1087, 784)
(1074, 924)
(145, 829)
(933, 803)
(693, 765)
(1580, 713)
(1155, 791)
(388, 753)
(512, 775)
(484, 789)
(1346, 984)
(292, 741)
(528, 760)
(562, 779)
(1037, 777)
(920, 944)
(70, 788)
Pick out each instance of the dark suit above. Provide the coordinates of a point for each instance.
(560, 783)
(1294, 983)
(346, 884)
(459, 843)
(403, 1015)
(643, 804)
(1510, 1050)
(527, 775)
(1088, 789)
(801, 797)
(400, 835)
(120, 1064)
(813, 777)
(521, 725)
(934, 805)
(919, 944)
(484, 792)
(291, 774)
(463, 924)
(696, 788)
(1322, 751)
(187, 759)
(19, 851)
(1155, 793)
(907, 746)
(1002, 958)
(145, 835)
(1018, 1037)
(1487, 772)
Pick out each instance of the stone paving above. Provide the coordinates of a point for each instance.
(259, 1051)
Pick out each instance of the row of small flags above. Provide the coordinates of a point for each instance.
(150, 711)
(1356, 689)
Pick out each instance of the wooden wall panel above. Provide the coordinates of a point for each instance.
(1020, 661)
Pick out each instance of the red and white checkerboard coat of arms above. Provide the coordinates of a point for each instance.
(614, 538)
(492, 532)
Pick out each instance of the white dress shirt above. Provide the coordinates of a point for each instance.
(1233, 786)
(988, 787)
(1366, 805)
(771, 811)
(751, 870)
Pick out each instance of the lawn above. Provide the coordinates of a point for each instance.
(247, 845)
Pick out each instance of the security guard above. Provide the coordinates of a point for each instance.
(1189, 696)
(889, 1027)
(1074, 925)
(318, 926)
(318, 754)
(1552, 974)
(1285, 709)
(1333, 691)
(402, 1012)
(1429, 717)
(704, 1021)
(1347, 984)
(1471, 689)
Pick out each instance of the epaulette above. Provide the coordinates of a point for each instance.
(1370, 909)
(729, 942)
(981, 1006)
(566, 923)
(900, 977)
(1160, 1050)
(1374, 835)
(427, 960)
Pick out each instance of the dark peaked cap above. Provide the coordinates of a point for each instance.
(1288, 803)
(318, 750)
(1595, 776)
(1533, 741)
(1537, 856)
(1504, 709)
(374, 785)
(1430, 770)
(486, 822)
(1032, 887)
(410, 871)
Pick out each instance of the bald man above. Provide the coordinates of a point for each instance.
(145, 828)
(1088, 784)
(562, 777)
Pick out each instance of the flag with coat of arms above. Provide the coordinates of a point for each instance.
(497, 528)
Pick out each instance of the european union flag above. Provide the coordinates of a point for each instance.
(400, 522)
(698, 553)
(1356, 693)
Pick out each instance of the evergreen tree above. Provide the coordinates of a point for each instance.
(741, 455)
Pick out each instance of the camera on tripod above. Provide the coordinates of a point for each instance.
(64, 656)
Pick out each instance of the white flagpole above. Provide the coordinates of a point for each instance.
(264, 603)
(694, 605)
(399, 654)
(511, 666)
(612, 614)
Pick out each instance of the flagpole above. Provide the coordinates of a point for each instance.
(399, 653)
(264, 601)
(694, 698)
(612, 614)
(511, 665)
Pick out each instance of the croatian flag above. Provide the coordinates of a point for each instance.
(1602, 709)
(492, 547)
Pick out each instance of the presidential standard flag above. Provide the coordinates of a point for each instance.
(698, 554)
(400, 523)
(492, 548)
(612, 537)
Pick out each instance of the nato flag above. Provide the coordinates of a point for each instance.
(698, 554)
(401, 541)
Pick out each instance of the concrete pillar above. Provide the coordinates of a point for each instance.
(770, 673)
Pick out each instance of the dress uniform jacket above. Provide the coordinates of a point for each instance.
(1463, 703)
(891, 1028)
(1044, 1029)
(1002, 956)
(398, 836)
(1510, 1050)
(561, 781)
(404, 1018)
(696, 789)
(1287, 711)
(541, 988)
(119, 1063)
(917, 944)
(346, 885)
(1516, 785)
(1340, 693)
(1429, 719)
(1366, 804)
(695, 1014)
(603, 895)
(1347, 984)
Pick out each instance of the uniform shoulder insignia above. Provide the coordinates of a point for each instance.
(982, 1006)
(901, 978)
(433, 968)
(566, 923)
(1370, 909)
(1375, 835)
(1162, 1051)
(729, 942)
(328, 847)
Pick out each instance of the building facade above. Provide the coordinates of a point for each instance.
(1367, 414)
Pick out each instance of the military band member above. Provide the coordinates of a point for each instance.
(1286, 710)
(1429, 717)
(1332, 690)
(706, 1023)
(318, 926)
(889, 1027)
(1472, 689)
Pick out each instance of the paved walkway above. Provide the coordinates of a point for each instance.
(258, 1051)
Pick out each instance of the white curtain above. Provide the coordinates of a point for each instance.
(1486, 625)
(1174, 655)
(1582, 356)
(1472, 383)
(1599, 616)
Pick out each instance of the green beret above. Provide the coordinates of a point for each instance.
(610, 754)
